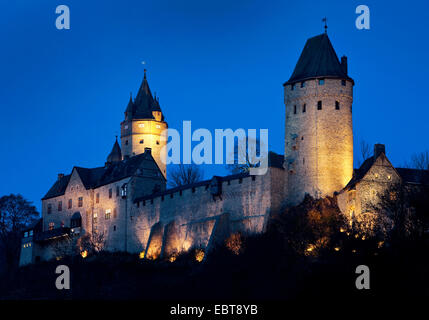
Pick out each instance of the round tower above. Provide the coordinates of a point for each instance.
(318, 127)
(144, 126)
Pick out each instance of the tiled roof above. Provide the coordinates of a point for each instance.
(318, 59)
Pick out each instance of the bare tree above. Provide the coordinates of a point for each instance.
(92, 243)
(245, 155)
(16, 213)
(180, 175)
(420, 160)
(365, 152)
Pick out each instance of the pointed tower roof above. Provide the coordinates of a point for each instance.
(318, 60)
(116, 154)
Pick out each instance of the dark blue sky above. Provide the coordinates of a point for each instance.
(218, 63)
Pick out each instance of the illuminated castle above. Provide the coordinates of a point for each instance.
(127, 203)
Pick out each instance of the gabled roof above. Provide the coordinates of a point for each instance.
(96, 177)
(318, 60)
(143, 104)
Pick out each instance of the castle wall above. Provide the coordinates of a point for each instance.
(318, 143)
(193, 213)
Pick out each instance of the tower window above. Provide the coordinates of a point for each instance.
(141, 141)
(115, 214)
(51, 226)
(70, 203)
(49, 208)
(292, 87)
(319, 105)
(303, 84)
(158, 126)
(157, 142)
(126, 142)
(107, 214)
(117, 191)
(141, 125)
(294, 109)
(97, 198)
(114, 228)
(337, 105)
(126, 127)
(343, 83)
(110, 193)
(304, 107)
(80, 201)
(60, 206)
(321, 82)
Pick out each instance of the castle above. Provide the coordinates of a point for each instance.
(127, 201)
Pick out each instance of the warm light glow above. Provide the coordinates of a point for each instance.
(199, 255)
(337, 248)
(342, 230)
(84, 254)
(142, 254)
(380, 244)
(172, 258)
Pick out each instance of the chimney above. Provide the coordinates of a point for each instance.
(344, 64)
(60, 176)
(148, 150)
(378, 149)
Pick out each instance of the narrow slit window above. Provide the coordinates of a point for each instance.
(319, 105)
(304, 106)
(337, 105)
(294, 109)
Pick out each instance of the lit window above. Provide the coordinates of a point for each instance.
(30, 233)
(389, 177)
(94, 218)
(126, 127)
(141, 125)
(107, 214)
(321, 82)
(51, 225)
(337, 105)
(25, 234)
(80, 202)
(158, 126)
(319, 105)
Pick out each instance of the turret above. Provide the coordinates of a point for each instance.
(144, 126)
(318, 130)
(116, 154)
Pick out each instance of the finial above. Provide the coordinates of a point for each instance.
(325, 20)
(145, 73)
(116, 138)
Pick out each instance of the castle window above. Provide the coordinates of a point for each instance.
(319, 105)
(25, 234)
(157, 142)
(158, 126)
(117, 191)
(114, 228)
(303, 84)
(80, 201)
(389, 177)
(193, 190)
(49, 208)
(94, 217)
(303, 160)
(60, 206)
(141, 125)
(180, 192)
(97, 198)
(337, 105)
(138, 204)
(110, 193)
(126, 127)
(294, 109)
(115, 213)
(126, 142)
(30, 233)
(292, 87)
(321, 82)
(171, 195)
(229, 182)
(162, 198)
(343, 83)
(70, 203)
(51, 225)
(240, 180)
(144, 203)
(107, 214)
(151, 201)
(253, 178)
(302, 138)
(304, 107)
(141, 141)
(124, 190)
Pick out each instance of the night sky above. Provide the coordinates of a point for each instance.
(219, 63)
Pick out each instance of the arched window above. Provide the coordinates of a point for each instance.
(76, 220)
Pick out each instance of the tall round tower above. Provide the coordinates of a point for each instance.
(144, 127)
(318, 130)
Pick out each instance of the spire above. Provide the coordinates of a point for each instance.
(325, 20)
(116, 154)
(318, 59)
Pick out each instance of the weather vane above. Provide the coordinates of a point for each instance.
(325, 20)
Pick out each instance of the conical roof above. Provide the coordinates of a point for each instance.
(116, 154)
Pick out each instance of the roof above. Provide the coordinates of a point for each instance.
(116, 154)
(318, 59)
(96, 177)
(414, 175)
(275, 160)
(51, 234)
(143, 104)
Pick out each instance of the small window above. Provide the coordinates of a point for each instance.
(107, 214)
(193, 190)
(126, 142)
(304, 106)
(110, 193)
(229, 182)
(51, 226)
(25, 234)
(95, 217)
(158, 126)
(302, 138)
(157, 142)
(114, 228)
(389, 177)
(337, 105)
(253, 178)
(294, 109)
(80, 201)
(180, 192)
(117, 191)
(141, 125)
(97, 198)
(151, 201)
(343, 83)
(126, 127)
(240, 180)
(49, 208)
(138, 204)
(115, 213)
(162, 198)
(303, 160)
(30, 233)
(303, 84)
(60, 206)
(144, 203)
(141, 141)
(321, 82)
(171, 195)
(292, 87)
(70, 203)
(319, 105)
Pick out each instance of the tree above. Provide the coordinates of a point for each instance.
(420, 160)
(365, 152)
(16, 213)
(92, 243)
(245, 155)
(181, 175)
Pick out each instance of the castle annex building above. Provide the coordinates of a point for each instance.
(127, 202)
